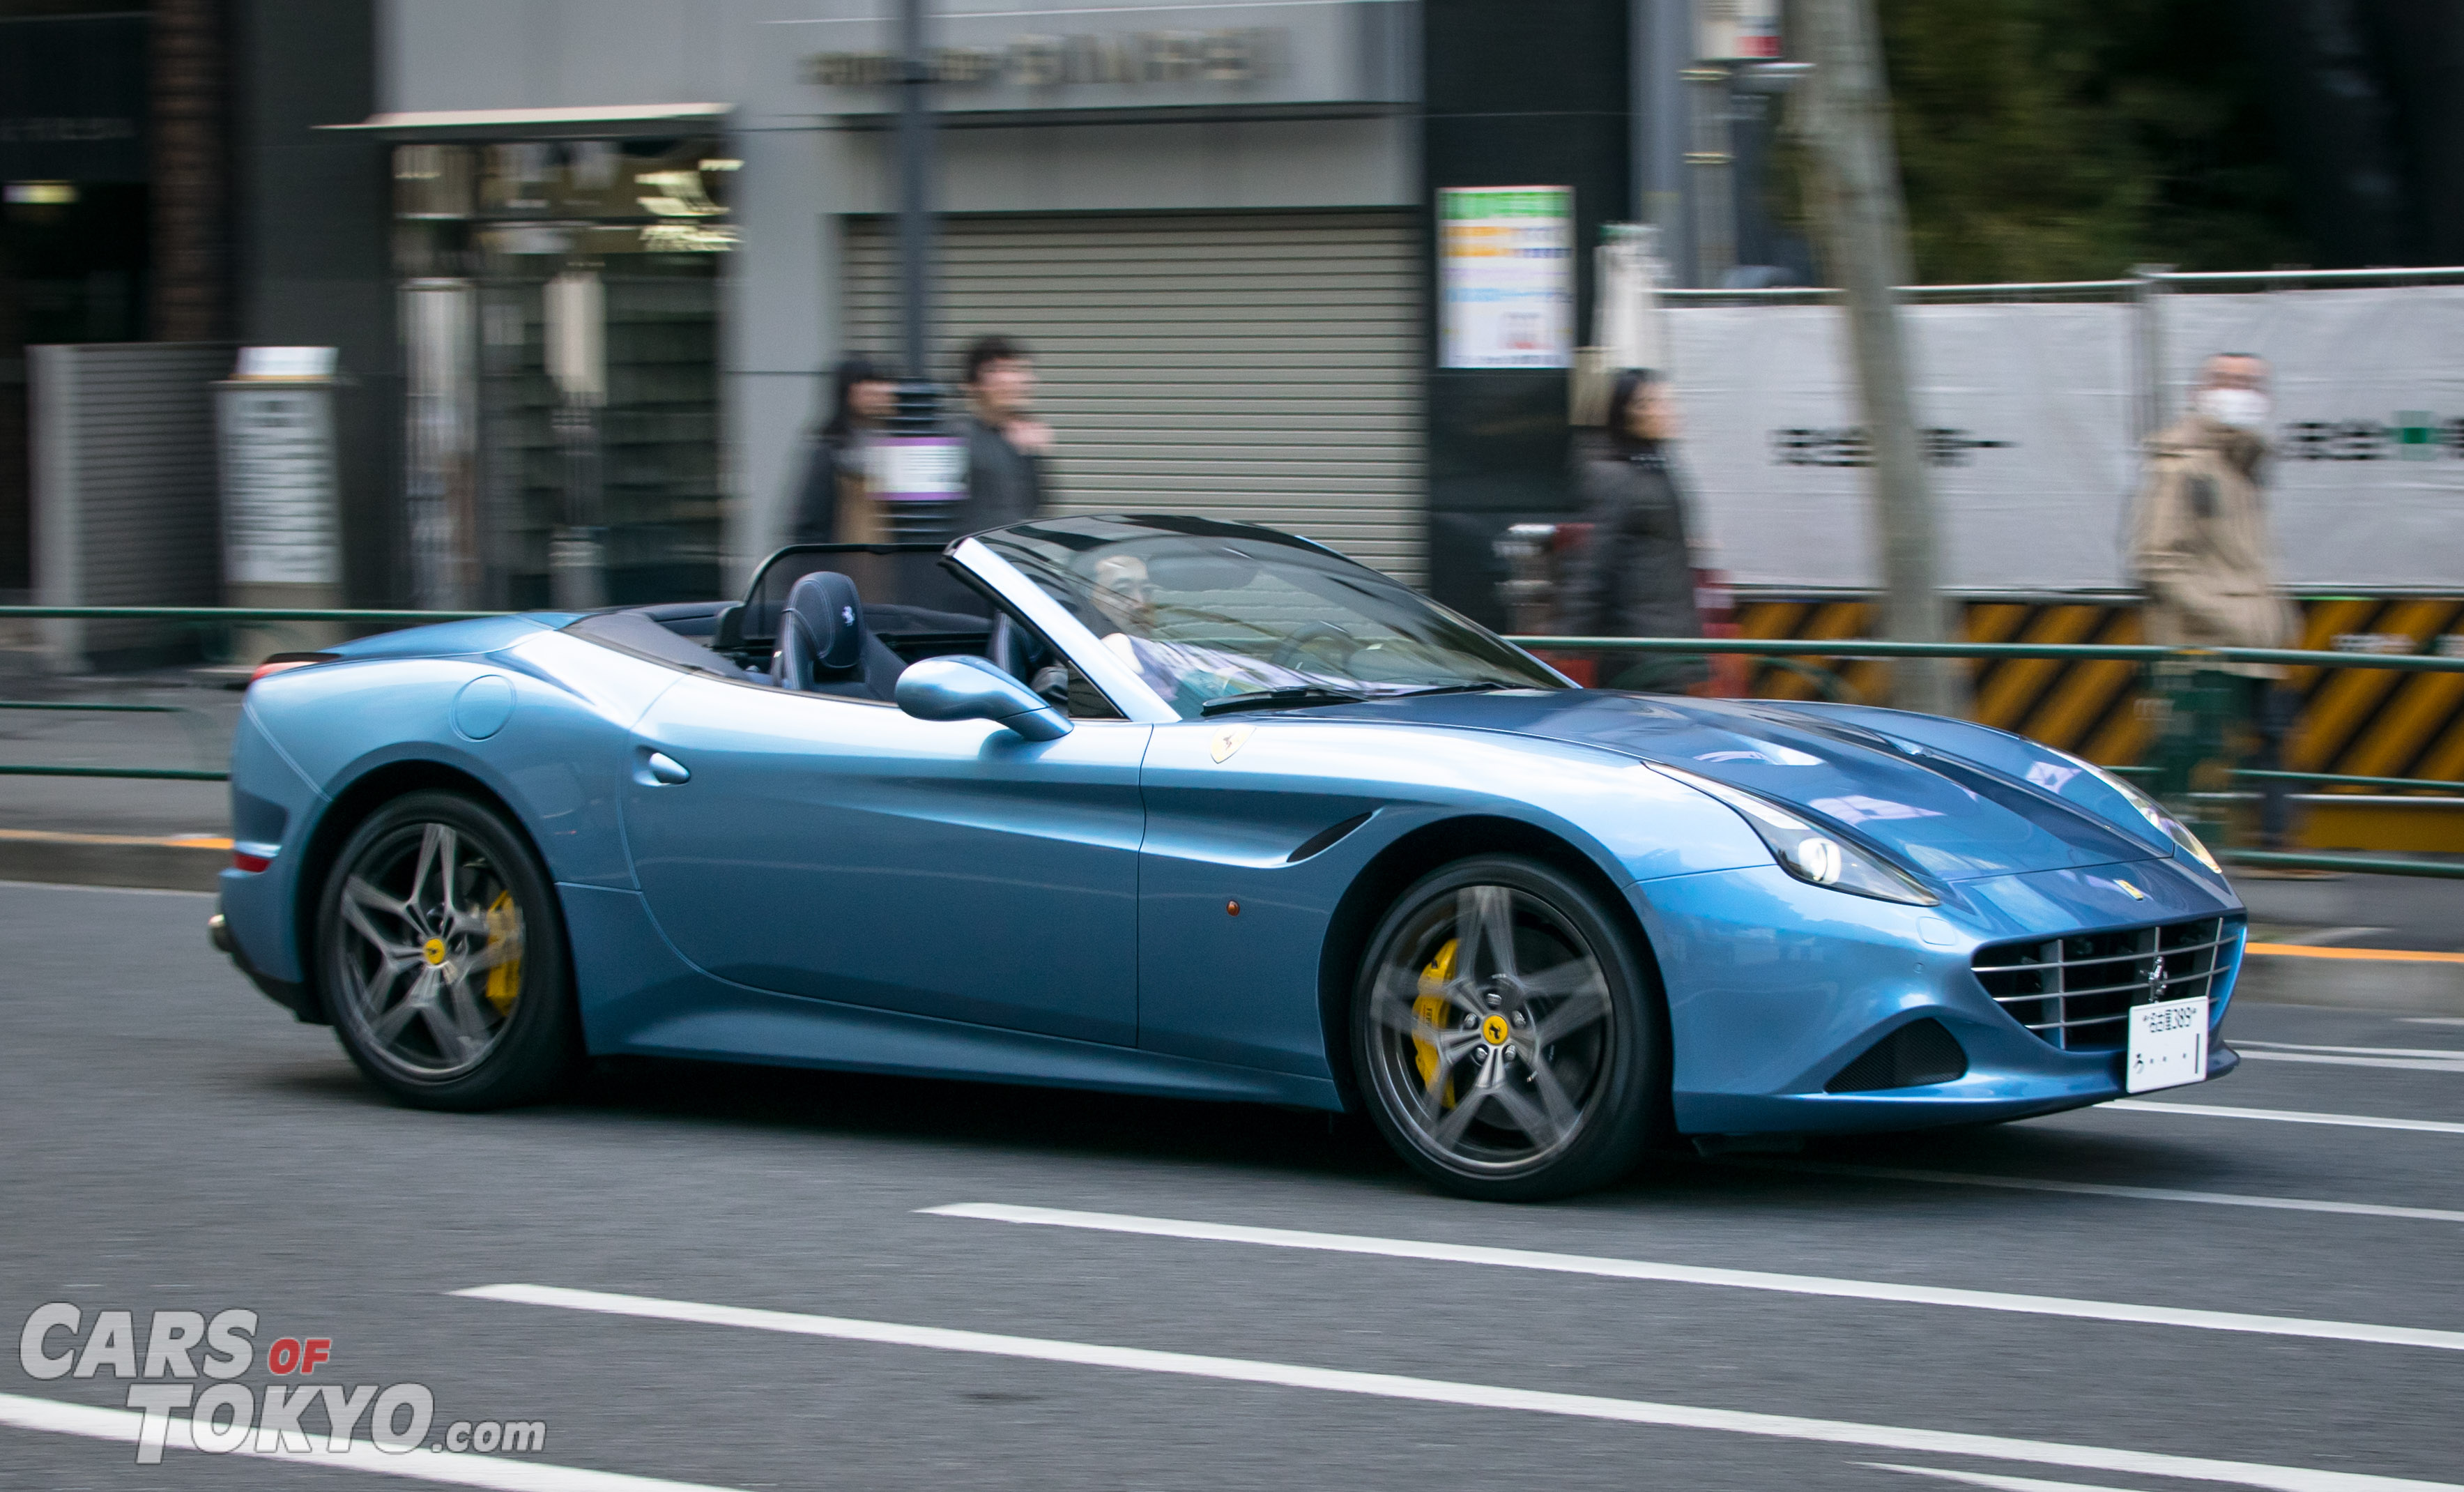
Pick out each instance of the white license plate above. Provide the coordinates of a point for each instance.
(2168, 1045)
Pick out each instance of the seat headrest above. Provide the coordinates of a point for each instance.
(832, 613)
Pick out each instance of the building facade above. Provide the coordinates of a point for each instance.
(628, 238)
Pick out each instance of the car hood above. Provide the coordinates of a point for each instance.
(1954, 814)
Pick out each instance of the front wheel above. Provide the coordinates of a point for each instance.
(1508, 1042)
(443, 957)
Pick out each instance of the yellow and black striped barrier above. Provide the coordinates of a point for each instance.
(2358, 717)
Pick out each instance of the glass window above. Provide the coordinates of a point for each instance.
(1210, 612)
(576, 286)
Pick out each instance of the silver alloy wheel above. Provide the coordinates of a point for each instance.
(430, 953)
(1493, 1028)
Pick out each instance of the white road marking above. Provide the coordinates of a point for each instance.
(73, 885)
(2319, 937)
(2409, 1064)
(2352, 1051)
(1980, 1479)
(2288, 1203)
(1693, 1274)
(2287, 1116)
(2432, 1020)
(1467, 1395)
(458, 1469)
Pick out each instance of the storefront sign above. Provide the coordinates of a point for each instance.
(1273, 54)
(1505, 268)
(1236, 55)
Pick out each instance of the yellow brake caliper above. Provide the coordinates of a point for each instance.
(505, 980)
(1431, 1009)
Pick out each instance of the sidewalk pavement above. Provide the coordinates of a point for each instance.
(113, 831)
(2391, 943)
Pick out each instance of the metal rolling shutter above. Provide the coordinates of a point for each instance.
(126, 490)
(1257, 367)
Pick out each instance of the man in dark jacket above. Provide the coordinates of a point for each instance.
(1634, 576)
(1005, 446)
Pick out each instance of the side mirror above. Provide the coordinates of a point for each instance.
(974, 688)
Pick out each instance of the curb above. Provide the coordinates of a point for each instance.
(186, 862)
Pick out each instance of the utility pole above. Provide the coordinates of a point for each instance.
(915, 196)
(1846, 126)
(924, 469)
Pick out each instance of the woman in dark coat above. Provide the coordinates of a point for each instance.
(833, 503)
(1635, 576)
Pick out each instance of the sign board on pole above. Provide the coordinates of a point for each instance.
(1736, 31)
(1505, 269)
(279, 515)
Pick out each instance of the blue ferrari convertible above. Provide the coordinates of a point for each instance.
(1170, 806)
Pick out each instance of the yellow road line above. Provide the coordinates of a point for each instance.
(2378, 955)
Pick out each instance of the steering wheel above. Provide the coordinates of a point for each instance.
(1309, 635)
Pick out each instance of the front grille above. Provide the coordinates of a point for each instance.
(2076, 992)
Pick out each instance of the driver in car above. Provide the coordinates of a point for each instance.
(1186, 673)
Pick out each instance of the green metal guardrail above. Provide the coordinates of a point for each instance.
(1783, 648)
(159, 773)
(223, 613)
(92, 709)
(2351, 864)
(1866, 647)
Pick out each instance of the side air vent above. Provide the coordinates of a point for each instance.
(1917, 1053)
(1325, 838)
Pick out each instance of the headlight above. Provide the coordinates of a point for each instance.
(2151, 811)
(1811, 855)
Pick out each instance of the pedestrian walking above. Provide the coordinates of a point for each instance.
(1005, 445)
(2200, 551)
(1634, 577)
(835, 503)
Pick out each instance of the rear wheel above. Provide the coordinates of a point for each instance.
(1508, 1043)
(443, 957)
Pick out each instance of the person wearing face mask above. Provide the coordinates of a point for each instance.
(2201, 553)
(1634, 576)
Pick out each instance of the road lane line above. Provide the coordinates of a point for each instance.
(2351, 1051)
(2408, 1065)
(1693, 1274)
(1979, 1479)
(2287, 1116)
(1469, 1395)
(2289, 1204)
(459, 1469)
(2320, 937)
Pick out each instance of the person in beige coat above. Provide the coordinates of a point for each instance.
(2200, 551)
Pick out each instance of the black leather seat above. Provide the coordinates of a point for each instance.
(825, 646)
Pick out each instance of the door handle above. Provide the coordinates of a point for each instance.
(659, 769)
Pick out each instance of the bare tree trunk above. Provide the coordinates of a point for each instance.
(1863, 225)
(190, 188)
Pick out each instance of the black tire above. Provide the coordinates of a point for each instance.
(441, 957)
(1456, 1055)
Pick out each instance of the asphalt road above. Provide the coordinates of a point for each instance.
(173, 1143)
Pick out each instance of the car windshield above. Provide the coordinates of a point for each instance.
(1216, 616)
